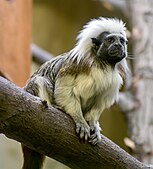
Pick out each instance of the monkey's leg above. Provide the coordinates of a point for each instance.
(32, 159)
(67, 98)
(92, 118)
(38, 86)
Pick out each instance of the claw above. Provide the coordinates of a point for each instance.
(95, 141)
(95, 137)
(77, 128)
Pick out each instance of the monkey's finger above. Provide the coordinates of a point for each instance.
(84, 132)
(78, 128)
(86, 137)
(95, 141)
(96, 135)
(81, 134)
(93, 136)
(87, 133)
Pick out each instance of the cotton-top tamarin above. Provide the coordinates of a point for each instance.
(86, 80)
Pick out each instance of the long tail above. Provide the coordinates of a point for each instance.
(32, 159)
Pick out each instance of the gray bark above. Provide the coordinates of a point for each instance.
(49, 131)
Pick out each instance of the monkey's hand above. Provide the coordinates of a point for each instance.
(82, 129)
(95, 133)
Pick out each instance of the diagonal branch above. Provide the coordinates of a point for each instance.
(27, 119)
(40, 55)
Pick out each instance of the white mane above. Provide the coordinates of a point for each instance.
(91, 30)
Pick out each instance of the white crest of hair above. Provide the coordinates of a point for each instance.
(91, 30)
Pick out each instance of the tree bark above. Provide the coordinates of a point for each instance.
(141, 119)
(29, 120)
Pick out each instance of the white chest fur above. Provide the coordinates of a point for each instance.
(104, 83)
(97, 90)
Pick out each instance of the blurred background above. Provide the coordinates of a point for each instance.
(53, 26)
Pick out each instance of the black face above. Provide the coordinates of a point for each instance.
(110, 48)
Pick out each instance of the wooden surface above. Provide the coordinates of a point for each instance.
(52, 132)
(15, 39)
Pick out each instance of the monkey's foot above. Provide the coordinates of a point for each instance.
(95, 135)
(95, 138)
(83, 130)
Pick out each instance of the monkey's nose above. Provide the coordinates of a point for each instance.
(115, 50)
(118, 46)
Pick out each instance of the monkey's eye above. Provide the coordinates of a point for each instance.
(110, 40)
(122, 40)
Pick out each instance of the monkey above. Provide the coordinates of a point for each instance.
(84, 81)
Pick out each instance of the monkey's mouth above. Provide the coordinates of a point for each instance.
(116, 55)
(115, 52)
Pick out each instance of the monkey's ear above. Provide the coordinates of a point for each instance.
(96, 41)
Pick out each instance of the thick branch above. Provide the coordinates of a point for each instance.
(26, 118)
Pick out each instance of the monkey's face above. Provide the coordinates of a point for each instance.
(110, 48)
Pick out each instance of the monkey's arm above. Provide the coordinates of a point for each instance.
(66, 97)
(38, 86)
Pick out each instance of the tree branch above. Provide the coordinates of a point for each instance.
(25, 118)
(40, 55)
(120, 5)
